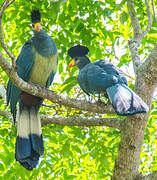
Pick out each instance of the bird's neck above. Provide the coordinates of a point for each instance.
(83, 62)
(44, 44)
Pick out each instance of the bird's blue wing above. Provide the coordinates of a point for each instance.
(24, 64)
(50, 80)
(109, 68)
(51, 77)
(95, 79)
(25, 61)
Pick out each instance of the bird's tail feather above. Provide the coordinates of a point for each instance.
(36, 134)
(29, 142)
(125, 101)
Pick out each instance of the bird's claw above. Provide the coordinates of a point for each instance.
(102, 103)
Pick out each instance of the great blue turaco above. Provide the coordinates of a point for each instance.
(36, 63)
(103, 77)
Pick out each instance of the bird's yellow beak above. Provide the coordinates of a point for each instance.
(37, 26)
(72, 63)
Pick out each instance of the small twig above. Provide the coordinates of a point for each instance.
(111, 53)
(119, 60)
(3, 7)
(154, 11)
(129, 76)
(10, 3)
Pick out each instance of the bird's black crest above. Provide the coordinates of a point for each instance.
(78, 50)
(35, 16)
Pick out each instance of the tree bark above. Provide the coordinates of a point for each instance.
(132, 134)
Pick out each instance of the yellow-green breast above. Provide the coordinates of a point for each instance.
(42, 68)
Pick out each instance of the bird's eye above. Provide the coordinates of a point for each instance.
(76, 58)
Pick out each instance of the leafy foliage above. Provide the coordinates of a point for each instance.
(104, 27)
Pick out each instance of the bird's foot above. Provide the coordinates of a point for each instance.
(102, 103)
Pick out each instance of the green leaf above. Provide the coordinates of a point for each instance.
(70, 177)
(124, 17)
(79, 28)
(1, 167)
(107, 12)
(70, 80)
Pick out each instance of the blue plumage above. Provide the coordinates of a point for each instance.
(103, 77)
(36, 63)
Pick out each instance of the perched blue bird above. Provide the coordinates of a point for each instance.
(103, 77)
(37, 63)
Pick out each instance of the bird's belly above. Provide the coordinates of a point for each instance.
(88, 85)
(42, 68)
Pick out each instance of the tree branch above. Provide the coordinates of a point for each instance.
(138, 34)
(3, 7)
(70, 121)
(152, 176)
(2, 91)
(52, 96)
(7, 115)
(150, 19)
(132, 134)
(133, 47)
(5, 65)
(74, 121)
(135, 42)
(133, 131)
(148, 69)
(79, 121)
(135, 23)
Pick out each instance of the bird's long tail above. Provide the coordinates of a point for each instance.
(29, 142)
(125, 101)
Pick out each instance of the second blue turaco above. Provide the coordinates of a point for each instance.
(103, 77)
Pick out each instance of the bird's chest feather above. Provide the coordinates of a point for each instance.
(90, 79)
(42, 68)
(83, 79)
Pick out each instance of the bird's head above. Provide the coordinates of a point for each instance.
(78, 55)
(80, 62)
(36, 23)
